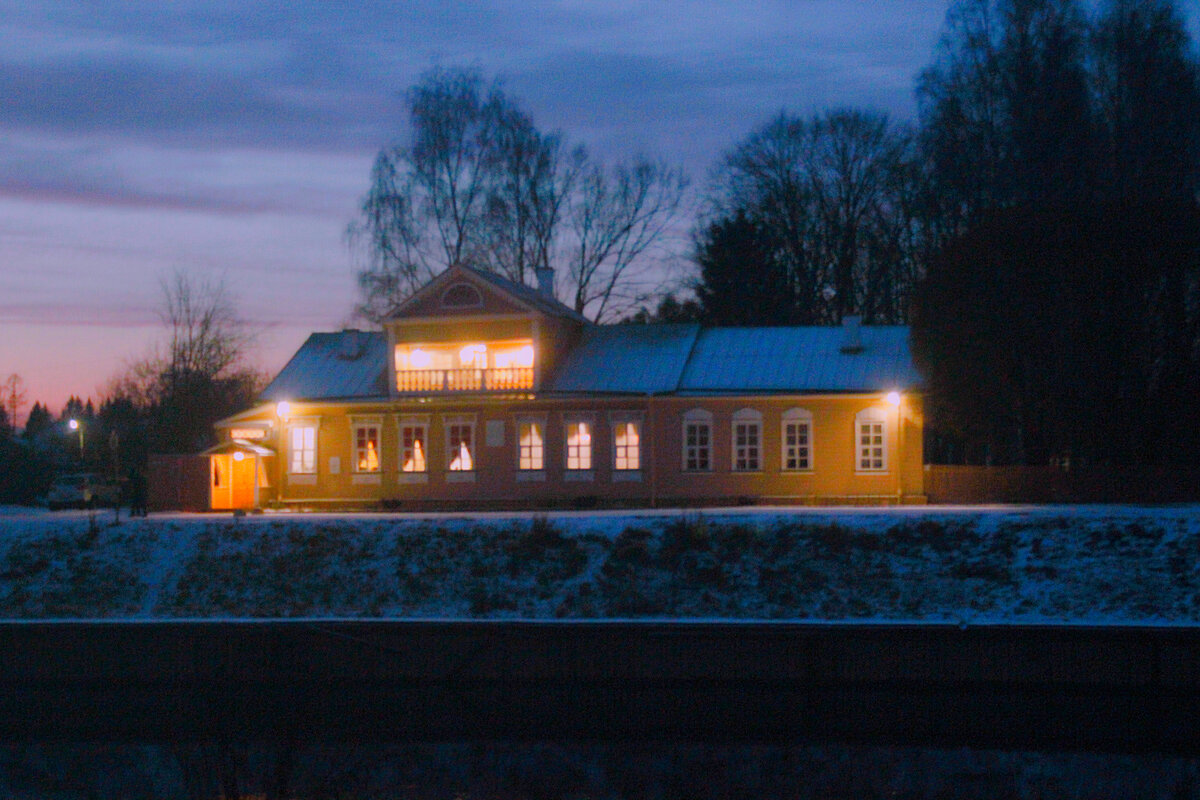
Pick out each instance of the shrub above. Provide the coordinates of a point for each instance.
(631, 546)
(683, 536)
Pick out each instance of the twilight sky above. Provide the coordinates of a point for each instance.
(234, 139)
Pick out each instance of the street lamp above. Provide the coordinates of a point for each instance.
(76, 425)
(893, 397)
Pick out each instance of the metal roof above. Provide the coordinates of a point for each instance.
(332, 366)
(635, 359)
(799, 359)
(641, 359)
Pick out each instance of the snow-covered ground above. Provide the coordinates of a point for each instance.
(971, 564)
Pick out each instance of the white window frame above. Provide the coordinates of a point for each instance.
(584, 455)
(752, 420)
(795, 417)
(867, 422)
(460, 420)
(358, 424)
(617, 423)
(531, 456)
(413, 423)
(295, 426)
(699, 419)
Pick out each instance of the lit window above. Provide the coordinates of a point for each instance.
(366, 448)
(460, 445)
(474, 366)
(302, 450)
(413, 446)
(627, 445)
(796, 440)
(871, 440)
(697, 441)
(530, 445)
(747, 441)
(579, 445)
(473, 356)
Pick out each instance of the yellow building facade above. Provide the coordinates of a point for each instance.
(483, 393)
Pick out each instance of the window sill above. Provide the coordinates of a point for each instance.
(531, 476)
(301, 479)
(746, 471)
(627, 476)
(366, 479)
(871, 472)
(698, 472)
(460, 476)
(809, 471)
(578, 476)
(413, 477)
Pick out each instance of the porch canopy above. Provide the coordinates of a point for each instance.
(239, 446)
(238, 474)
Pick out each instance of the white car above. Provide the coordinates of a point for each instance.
(82, 490)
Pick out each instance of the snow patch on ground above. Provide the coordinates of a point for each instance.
(955, 565)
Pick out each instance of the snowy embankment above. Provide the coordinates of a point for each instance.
(1115, 565)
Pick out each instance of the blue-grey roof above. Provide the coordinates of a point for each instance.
(636, 359)
(334, 366)
(799, 359)
(641, 359)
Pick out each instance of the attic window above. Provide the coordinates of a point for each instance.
(462, 295)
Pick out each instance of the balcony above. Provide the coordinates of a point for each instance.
(464, 379)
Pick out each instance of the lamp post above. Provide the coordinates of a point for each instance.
(76, 425)
(895, 399)
(282, 409)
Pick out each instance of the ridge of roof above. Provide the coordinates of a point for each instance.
(527, 294)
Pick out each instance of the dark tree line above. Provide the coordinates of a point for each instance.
(810, 220)
(1061, 319)
(1038, 228)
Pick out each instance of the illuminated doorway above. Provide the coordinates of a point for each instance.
(238, 476)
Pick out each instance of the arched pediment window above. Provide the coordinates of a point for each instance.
(462, 295)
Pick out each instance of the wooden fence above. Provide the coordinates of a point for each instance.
(1097, 484)
(178, 483)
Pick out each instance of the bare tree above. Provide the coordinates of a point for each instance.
(207, 336)
(850, 161)
(1147, 83)
(616, 216)
(531, 183)
(764, 177)
(197, 374)
(479, 184)
(832, 194)
(1005, 108)
(14, 397)
(426, 205)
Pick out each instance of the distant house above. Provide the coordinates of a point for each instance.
(481, 392)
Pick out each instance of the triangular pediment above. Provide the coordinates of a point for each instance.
(461, 292)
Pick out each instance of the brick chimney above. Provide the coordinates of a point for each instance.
(545, 282)
(852, 334)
